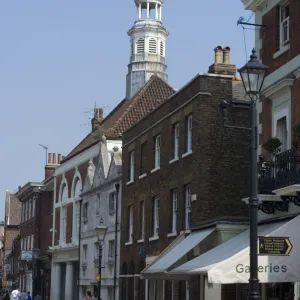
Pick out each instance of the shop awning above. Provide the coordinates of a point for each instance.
(229, 262)
(175, 252)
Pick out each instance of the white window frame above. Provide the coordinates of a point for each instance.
(85, 208)
(76, 224)
(176, 141)
(278, 114)
(188, 198)
(174, 210)
(189, 133)
(284, 23)
(30, 208)
(157, 151)
(85, 253)
(26, 211)
(111, 249)
(131, 166)
(32, 241)
(156, 217)
(112, 203)
(130, 229)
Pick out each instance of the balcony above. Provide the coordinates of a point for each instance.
(280, 176)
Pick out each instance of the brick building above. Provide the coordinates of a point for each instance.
(35, 231)
(70, 177)
(11, 226)
(181, 170)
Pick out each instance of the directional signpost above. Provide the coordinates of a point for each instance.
(274, 246)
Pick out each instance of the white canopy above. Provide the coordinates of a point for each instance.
(229, 262)
(174, 253)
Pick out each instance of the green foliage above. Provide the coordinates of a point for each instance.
(100, 133)
(272, 145)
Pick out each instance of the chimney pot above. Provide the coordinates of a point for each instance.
(226, 55)
(49, 158)
(100, 114)
(53, 158)
(218, 51)
(58, 159)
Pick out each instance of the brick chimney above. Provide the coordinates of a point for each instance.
(98, 117)
(53, 162)
(222, 63)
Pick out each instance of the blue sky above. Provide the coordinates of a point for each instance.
(57, 58)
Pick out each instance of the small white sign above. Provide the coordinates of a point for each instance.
(26, 255)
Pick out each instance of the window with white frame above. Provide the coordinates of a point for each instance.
(130, 223)
(112, 202)
(64, 224)
(281, 132)
(188, 196)
(156, 217)
(26, 211)
(284, 24)
(157, 152)
(85, 212)
(84, 256)
(175, 141)
(174, 201)
(142, 220)
(111, 249)
(29, 242)
(189, 127)
(77, 188)
(98, 204)
(131, 166)
(64, 193)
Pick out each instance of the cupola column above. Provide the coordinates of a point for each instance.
(148, 10)
(160, 13)
(156, 11)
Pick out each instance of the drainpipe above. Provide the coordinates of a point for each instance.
(79, 245)
(117, 185)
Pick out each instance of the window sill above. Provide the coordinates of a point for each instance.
(173, 160)
(281, 51)
(154, 238)
(187, 153)
(142, 176)
(128, 243)
(172, 234)
(140, 241)
(129, 182)
(154, 170)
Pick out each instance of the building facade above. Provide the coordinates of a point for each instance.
(181, 170)
(1, 251)
(11, 230)
(147, 46)
(101, 206)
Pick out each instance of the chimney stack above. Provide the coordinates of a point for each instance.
(222, 63)
(98, 117)
(53, 162)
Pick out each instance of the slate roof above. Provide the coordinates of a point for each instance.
(129, 112)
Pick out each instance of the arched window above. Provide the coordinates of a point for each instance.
(140, 46)
(152, 46)
(64, 193)
(162, 48)
(77, 188)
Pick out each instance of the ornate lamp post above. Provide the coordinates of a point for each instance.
(101, 232)
(253, 74)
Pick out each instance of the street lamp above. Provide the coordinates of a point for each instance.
(253, 74)
(101, 232)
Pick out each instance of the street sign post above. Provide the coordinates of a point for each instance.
(274, 246)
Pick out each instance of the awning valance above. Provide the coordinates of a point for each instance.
(175, 252)
(229, 262)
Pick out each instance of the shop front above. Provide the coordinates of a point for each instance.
(228, 263)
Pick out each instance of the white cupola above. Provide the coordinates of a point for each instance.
(147, 46)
